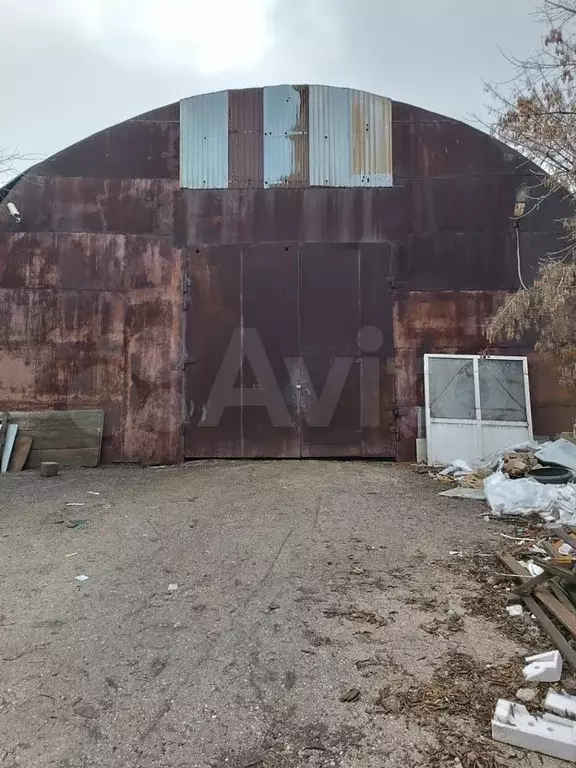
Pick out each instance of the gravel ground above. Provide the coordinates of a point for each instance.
(297, 581)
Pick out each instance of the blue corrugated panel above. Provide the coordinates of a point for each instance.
(204, 141)
(350, 138)
(286, 136)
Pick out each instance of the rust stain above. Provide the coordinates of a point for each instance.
(300, 177)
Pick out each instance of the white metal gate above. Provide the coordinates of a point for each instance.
(475, 405)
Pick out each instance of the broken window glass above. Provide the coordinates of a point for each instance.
(451, 382)
(502, 392)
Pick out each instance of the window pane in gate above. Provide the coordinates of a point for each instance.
(451, 388)
(502, 393)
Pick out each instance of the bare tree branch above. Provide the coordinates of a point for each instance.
(536, 114)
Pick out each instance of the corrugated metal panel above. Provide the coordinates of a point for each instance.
(350, 138)
(286, 136)
(204, 141)
(245, 169)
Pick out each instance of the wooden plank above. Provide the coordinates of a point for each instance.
(20, 453)
(531, 584)
(552, 631)
(545, 622)
(72, 438)
(555, 607)
(61, 429)
(550, 549)
(75, 457)
(555, 570)
(3, 428)
(11, 433)
(559, 593)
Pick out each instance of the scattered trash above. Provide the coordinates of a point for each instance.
(93, 493)
(351, 695)
(82, 577)
(513, 538)
(75, 523)
(558, 598)
(456, 553)
(74, 503)
(464, 493)
(71, 554)
(458, 466)
(544, 667)
(514, 610)
(532, 568)
(513, 724)
(172, 587)
(526, 695)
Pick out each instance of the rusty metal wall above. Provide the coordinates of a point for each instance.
(245, 139)
(90, 280)
(90, 287)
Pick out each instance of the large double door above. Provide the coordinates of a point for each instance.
(290, 351)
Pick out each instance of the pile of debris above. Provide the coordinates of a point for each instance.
(521, 480)
(545, 570)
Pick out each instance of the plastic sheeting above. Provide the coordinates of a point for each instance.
(525, 496)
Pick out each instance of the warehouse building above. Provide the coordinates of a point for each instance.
(259, 273)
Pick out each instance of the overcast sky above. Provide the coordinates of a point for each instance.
(72, 67)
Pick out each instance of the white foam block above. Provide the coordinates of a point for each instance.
(544, 667)
(560, 705)
(513, 724)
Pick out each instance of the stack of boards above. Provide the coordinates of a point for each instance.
(71, 438)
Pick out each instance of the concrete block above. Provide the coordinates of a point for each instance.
(513, 724)
(560, 704)
(49, 468)
(544, 667)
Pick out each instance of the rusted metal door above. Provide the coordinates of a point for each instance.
(212, 317)
(347, 387)
(241, 327)
(270, 338)
(290, 351)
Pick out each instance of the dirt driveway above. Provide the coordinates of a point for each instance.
(297, 582)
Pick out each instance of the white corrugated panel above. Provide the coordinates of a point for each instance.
(285, 137)
(204, 141)
(350, 138)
